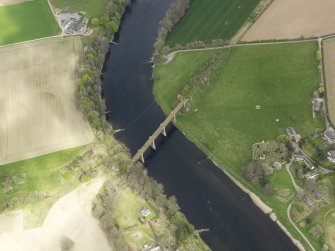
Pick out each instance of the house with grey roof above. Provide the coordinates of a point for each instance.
(292, 134)
(298, 156)
(331, 156)
(329, 135)
(308, 163)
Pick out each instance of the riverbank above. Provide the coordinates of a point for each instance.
(262, 206)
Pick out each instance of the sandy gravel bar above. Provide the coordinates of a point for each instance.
(39, 113)
(329, 67)
(291, 19)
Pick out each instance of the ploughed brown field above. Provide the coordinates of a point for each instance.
(292, 19)
(38, 108)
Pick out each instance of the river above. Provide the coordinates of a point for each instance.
(207, 197)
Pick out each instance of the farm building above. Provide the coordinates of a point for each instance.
(67, 17)
(331, 156)
(329, 135)
(72, 23)
(292, 134)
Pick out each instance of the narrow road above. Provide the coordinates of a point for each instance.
(171, 55)
(295, 226)
(297, 188)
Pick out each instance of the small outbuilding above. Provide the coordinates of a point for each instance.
(311, 176)
(145, 212)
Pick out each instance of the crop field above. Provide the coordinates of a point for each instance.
(92, 7)
(329, 65)
(224, 121)
(39, 113)
(26, 21)
(211, 19)
(292, 19)
(11, 2)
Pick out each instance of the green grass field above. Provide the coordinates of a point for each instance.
(223, 120)
(92, 7)
(40, 174)
(279, 78)
(26, 21)
(206, 20)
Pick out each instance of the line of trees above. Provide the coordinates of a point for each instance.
(91, 63)
(172, 16)
(110, 21)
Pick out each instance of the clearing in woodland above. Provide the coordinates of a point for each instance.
(224, 18)
(292, 19)
(39, 112)
(329, 66)
(26, 21)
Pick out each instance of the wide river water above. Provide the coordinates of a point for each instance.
(207, 197)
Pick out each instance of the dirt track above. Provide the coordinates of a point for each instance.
(290, 19)
(38, 110)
